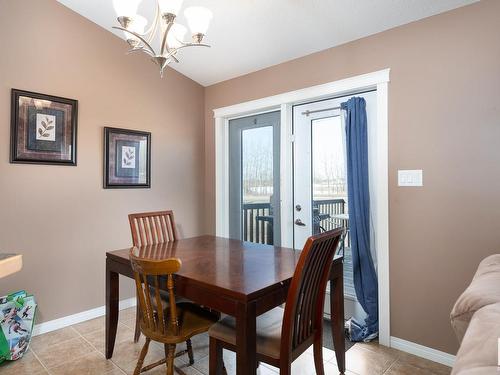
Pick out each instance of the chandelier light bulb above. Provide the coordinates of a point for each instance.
(198, 19)
(138, 24)
(176, 35)
(170, 6)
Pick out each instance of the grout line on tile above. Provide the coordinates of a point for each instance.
(74, 358)
(116, 367)
(102, 354)
(88, 342)
(90, 332)
(39, 361)
(387, 370)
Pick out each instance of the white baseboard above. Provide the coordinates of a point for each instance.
(83, 316)
(422, 351)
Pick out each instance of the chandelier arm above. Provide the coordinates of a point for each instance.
(140, 49)
(184, 45)
(164, 43)
(146, 46)
(171, 56)
(173, 51)
(154, 26)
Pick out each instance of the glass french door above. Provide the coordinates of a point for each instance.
(319, 167)
(320, 180)
(254, 175)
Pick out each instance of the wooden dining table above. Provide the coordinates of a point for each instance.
(237, 278)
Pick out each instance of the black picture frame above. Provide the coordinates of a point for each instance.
(56, 144)
(127, 165)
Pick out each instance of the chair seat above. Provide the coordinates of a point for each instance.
(268, 332)
(193, 319)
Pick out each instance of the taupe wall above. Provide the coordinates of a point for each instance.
(60, 218)
(444, 118)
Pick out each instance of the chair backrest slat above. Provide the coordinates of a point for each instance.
(151, 228)
(141, 230)
(147, 272)
(161, 319)
(170, 227)
(149, 305)
(159, 234)
(304, 306)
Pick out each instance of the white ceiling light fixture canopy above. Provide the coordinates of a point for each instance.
(171, 34)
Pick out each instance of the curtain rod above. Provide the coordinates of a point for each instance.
(307, 113)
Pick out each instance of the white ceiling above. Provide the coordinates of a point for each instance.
(248, 35)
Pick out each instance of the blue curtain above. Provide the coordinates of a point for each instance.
(365, 277)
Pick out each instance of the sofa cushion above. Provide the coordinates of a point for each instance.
(488, 264)
(478, 353)
(483, 290)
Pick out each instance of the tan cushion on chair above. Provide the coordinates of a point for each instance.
(268, 332)
(483, 290)
(479, 350)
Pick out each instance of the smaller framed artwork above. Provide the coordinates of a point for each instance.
(43, 128)
(127, 158)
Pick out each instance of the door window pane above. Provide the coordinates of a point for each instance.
(254, 170)
(257, 184)
(329, 180)
(257, 164)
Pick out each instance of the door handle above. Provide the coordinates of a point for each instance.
(300, 223)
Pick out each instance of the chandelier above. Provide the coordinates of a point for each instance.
(164, 32)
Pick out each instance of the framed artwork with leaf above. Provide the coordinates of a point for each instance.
(127, 158)
(43, 128)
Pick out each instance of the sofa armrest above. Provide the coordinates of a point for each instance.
(484, 290)
(478, 353)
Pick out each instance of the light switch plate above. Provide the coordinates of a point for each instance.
(410, 177)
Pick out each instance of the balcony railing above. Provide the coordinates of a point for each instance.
(258, 219)
(257, 223)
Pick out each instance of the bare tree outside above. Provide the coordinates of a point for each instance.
(329, 168)
(329, 193)
(329, 172)
(257, 164)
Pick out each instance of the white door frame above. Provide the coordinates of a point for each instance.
(377, 80)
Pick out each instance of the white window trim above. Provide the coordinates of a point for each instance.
(284, 102)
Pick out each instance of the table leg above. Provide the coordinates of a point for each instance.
(112, 295)
(246, 346)
(337, 309)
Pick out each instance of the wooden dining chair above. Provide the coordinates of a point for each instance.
(168, 323)
(151, 228)
(282, 335)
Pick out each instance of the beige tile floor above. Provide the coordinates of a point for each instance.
(78, 350)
